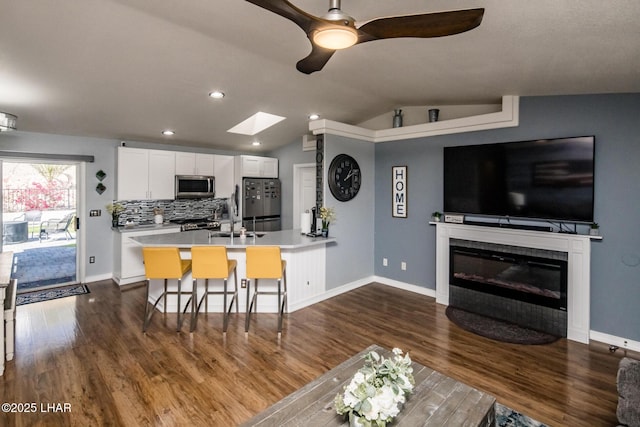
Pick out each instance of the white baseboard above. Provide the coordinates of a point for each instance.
(622, 343)
(362, 282)
(331, 293)
(405, 286)
(98, 278)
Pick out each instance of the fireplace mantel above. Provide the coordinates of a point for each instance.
(577, 247)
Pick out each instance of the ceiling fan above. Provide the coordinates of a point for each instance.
(337, 30)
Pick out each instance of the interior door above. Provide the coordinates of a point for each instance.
(304, 192)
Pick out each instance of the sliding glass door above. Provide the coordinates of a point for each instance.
(39, 211)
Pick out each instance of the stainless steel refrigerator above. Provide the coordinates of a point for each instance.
(261, 204)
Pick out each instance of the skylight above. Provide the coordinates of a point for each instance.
(256, 123)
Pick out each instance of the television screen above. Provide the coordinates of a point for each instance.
(548, 179)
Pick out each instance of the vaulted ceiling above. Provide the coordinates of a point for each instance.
(128, 69)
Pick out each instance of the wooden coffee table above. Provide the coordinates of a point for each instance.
(437, 400)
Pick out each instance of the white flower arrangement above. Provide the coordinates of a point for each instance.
(327, 215)
(377, 391)
(115, 208)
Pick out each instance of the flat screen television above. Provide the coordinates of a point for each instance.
(549, 179)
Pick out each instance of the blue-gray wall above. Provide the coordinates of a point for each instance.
(615, 264)
(97, 229)
(288, 156)
(351, 258)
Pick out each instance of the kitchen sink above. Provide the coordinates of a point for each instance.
(235, 234)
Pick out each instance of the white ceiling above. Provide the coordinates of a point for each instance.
(128, 69)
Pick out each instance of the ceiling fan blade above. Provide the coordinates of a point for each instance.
(428, 25)
(289, 11)
(316, 60)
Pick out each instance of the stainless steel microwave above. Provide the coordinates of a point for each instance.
(194, 186)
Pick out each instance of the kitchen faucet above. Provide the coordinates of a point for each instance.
(232, 210)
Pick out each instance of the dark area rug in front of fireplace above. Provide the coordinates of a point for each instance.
(498, 330)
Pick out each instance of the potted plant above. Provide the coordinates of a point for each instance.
(594, 229)
(436, 216)
(115, 209)
(326, 215)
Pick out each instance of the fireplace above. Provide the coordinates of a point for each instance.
(520, 285)
(576, 250)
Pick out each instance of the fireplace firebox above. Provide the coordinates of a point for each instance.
(510, 283)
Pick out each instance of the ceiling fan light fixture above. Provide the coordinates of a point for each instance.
(336, 38)
(7, 122)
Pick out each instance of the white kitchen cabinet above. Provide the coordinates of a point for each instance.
(223, 167)
(257, 166)
(194, 164)
(162, 175)
(133, 173)
(185, 163)
(145, 174)
(205, 164)
(269, 167)
(128, 266)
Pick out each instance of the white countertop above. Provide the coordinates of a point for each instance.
(286, 239)
(146, 227)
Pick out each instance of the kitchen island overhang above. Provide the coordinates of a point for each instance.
(305, 256)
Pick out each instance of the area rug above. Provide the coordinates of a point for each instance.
(51, 294)
(497, 329)
(507, 417)
(39, 267)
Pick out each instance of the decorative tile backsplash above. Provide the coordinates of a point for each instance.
(141, 211)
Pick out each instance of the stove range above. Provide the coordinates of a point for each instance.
(187, 224)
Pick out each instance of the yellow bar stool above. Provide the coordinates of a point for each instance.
(265, 262)
(211, 262)
(165, 263)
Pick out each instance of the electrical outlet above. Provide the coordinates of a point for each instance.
(95, 212)
(92, 259)
(243, 283)
(385, 262)
(403, 265)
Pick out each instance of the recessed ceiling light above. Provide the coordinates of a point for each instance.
(314, 116)
(216, 94)
(256, 143)
(168, 132)
(256, 123)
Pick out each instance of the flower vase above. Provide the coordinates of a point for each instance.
(114, 220)
(354, 421)
(325, 229)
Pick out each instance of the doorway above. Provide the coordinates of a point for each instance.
(39, 211)
(304, 190)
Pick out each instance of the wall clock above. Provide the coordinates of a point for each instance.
(344, 177)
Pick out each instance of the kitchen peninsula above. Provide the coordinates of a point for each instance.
(305, 256)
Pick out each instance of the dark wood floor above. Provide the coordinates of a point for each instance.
(89, 352)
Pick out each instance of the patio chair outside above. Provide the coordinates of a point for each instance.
(33, 219)
(57, 226)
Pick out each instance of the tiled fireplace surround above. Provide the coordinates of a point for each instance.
(577, 247)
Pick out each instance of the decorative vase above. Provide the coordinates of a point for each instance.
(354, 421)
(397, 118)
(114, 220)
(433, 115)
(325, 231)
(594, 232)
